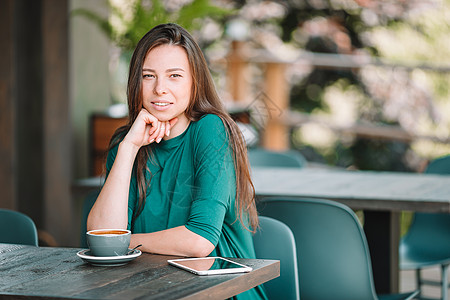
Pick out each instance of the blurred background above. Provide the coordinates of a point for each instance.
(356, 84)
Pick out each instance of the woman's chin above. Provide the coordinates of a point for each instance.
(163, 117)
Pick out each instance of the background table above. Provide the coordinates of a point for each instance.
(393, 191)
(382, 195)
(43, 272)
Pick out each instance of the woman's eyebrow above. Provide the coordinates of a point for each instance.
(174, 70)
(167, 71)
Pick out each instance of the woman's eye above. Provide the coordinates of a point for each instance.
(147, 76)
(175, 75)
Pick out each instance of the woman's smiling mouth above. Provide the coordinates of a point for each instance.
(161, 103)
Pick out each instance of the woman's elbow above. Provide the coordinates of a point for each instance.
(201, 248)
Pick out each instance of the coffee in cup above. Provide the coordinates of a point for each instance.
(108, 242)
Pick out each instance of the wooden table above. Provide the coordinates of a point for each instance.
(44, 272)
(382, 195)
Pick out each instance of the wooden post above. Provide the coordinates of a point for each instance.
(56, 137)
(275, 135)
(8, 148)
(238, 84)
(35, 164)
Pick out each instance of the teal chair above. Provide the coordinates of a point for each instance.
(332, 253)
(259, 157)
(274, 240)
(17, 228)
(89, 201)
(427, 242)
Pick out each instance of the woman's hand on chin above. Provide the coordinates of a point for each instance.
(147, 129)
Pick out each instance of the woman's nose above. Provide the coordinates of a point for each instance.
(160, 87)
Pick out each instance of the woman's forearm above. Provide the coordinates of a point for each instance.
(178, 241)
(111, 208)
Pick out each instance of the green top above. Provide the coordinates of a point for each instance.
(193, 184)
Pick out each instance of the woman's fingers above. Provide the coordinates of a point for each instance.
(167, 131)
(152, 126)
(161, 132)
(155, 130)
(163, 129)
(152, 132)
(170, 124)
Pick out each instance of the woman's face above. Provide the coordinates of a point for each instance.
(167, 84)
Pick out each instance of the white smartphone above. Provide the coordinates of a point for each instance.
(209, 265)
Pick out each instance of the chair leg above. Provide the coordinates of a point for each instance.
(444, 278)
(419, 283)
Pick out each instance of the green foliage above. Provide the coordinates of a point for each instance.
(198, 9)
(144, 17)
(307, 95)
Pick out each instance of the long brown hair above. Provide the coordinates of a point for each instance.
(204, 100)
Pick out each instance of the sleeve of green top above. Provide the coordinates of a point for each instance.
(214, 179)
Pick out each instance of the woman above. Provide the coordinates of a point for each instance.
(177, 173)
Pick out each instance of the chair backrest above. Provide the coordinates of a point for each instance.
(89, 201)
(440, 165)
(17, 228)
(264, 158)
(429, 232)
(333, 256)
(274, 240)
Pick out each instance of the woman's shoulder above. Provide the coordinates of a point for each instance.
(209, 127)
(210, 121)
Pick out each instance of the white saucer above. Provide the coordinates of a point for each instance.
(108, 260)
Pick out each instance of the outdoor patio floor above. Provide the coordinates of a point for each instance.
(408, 282)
